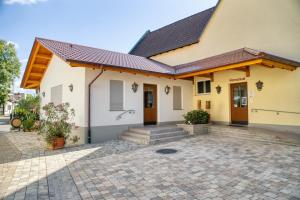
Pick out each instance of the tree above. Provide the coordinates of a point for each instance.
(9, 68)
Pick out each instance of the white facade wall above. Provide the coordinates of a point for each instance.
(101, 116)
(59, 72)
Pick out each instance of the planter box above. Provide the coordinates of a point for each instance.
(195, 129)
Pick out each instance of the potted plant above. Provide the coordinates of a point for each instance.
(56, 124)
(196, 122)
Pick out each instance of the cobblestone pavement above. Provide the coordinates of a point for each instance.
(205, 167)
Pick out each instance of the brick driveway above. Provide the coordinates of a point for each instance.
(205, 167)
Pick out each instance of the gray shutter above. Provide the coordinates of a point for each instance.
(56, 94)
(177, 98)
(116, 95)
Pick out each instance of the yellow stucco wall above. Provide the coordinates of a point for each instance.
(272, 26)
(268, 25)
(281, 91)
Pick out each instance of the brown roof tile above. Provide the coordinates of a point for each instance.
(178, 34)
(84, 54)
(232, 57)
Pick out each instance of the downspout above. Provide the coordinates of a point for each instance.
(89, 106)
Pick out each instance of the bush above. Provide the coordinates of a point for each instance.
(56, 122)
(28, 124)
(196, 117)
(28, 111)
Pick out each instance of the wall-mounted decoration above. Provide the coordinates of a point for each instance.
(207, 104)
(134, 87)
(167, 89)
(219, 89)
(199, 105)
(259, 85)
(43, 94)
(71, 87)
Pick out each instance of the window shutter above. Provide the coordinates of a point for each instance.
(56, 95)
(116, 95)
(177, 98)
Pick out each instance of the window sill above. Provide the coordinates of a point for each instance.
(203, 94)
(117, 110)
(178, 109)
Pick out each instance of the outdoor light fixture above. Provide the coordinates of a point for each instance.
(134, 87)
(259, 85)
(167, 89)
(71, 87)
(218, 88)
(43, 94)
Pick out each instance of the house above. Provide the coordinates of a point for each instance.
(239, 61)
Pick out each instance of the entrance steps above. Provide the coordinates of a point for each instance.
(154, 134)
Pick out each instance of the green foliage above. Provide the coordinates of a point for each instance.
(56, 121)
(196, 117)
(28, 124)
(28, 110)
(9, 68)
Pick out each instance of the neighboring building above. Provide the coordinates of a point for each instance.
(13, 99)
(238, 60)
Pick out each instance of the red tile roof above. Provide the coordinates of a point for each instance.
(89, 55)
(83, 54)
(229, 58)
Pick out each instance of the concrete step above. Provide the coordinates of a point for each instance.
(134, 139)
(137, 135)
(154, 134)
(167, 139)
(155, 130)
(168, 134)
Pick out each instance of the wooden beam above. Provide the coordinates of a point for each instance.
(244, 69)
(32, 81)
(122, 69)
(40, 66)
(227, 67)
(32, 86)
(35, 49)
(44, 56)
(211, 76)
(273, 64)
(36, 74)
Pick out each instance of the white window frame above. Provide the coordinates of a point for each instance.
(204, 89)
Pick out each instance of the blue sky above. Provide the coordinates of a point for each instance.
(108, 24)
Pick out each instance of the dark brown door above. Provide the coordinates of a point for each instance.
(239, 103)
(150, 104)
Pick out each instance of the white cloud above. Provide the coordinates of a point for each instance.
(14, 43)
(22, 2)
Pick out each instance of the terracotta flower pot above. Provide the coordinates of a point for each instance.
(58, 143)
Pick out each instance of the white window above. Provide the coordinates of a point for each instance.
(56, 94)
(116, 95)
(177, 98)
(203, 87)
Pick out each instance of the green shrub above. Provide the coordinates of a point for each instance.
(28, 110)
(196, 117)
(28, 124)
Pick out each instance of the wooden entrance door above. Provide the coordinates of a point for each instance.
(150, 104)
(239, 103)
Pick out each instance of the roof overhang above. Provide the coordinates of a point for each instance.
(37, 64)
(41, 56)
(242, 66)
